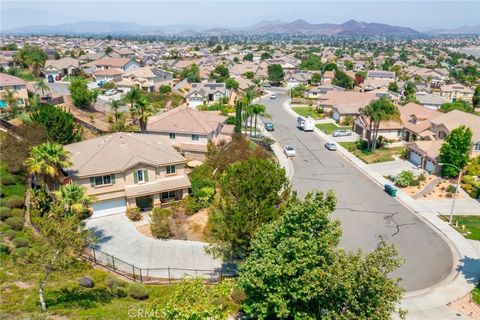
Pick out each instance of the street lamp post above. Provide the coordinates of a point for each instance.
(456, 189)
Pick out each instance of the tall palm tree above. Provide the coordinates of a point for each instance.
(377, 111)
(41, 85)
(133, 95)
(258, 110)
(143, 109)
(115, 104)
(46, 162)
(74, 198)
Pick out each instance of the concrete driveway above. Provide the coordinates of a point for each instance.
(394, 167)
(366, 212)
(118, 236)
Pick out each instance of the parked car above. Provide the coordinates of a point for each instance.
(267, 85)
(290, 151)
(58, 78)
(342, 133)
(269, 126)
(331, 146)
(273, 96)
(110, 92)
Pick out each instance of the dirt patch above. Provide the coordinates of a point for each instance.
(439, 192)
(195, 224)
(145, 230)
(466, 306)
(22, 285)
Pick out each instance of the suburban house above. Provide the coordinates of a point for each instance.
(456, 91)
(297, 77)
(123, 53)
(430, 100)
(107, 75)
(121, 64)
(190, 130)
(426, 154)
(146, 78)
(434, 77)
(321, 90)
(57, 69)
(345, 103)
(377, 79)
(123, 170)
(16, 86)
(205, 93)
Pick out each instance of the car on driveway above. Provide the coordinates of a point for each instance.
(331, 146)
(110, 92)
(342, 133)
(289, 151)
(273, 96)
(269, 126)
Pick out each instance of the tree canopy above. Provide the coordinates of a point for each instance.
(341, 79)
(455, 150)
(275, 73)
(296, 271)
(191, 73)
(82, 97)
(456, 105)
(220, 73)
(311, 63)
(60, 125)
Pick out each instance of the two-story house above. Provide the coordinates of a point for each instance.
(426, 154)
(55, 69)
(146, 78)
(190, 130)
(124, 170)
(15, 86)
(456, 91)
(205, 93)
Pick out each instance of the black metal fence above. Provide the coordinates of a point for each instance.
(156, 275)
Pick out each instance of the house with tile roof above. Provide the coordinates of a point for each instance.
(456, 91)
(123, 170)
(205, 93)
(54, 69)
(190, 130)
(16, 86)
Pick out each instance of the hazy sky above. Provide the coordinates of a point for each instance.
(420, 15)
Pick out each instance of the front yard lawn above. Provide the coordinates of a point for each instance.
(328, 128)
(308, 111)
(476, 294)
(379, 155)
(472, 226)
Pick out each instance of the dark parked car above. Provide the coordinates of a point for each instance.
(269, 126)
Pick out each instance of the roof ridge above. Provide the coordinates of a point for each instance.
(99, 149)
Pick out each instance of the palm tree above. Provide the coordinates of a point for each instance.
(115, 104)
(143, 109)
(46, 162)
(74, 198)
(377, 111)
(258, 109)
(133, 95)
(41, 85)
(11, 99)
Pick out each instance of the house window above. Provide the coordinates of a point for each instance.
(140, 176)
(17, 88)
(442, 134)
(171, 170)
(476, 146)
(102, 180)
(168, 195)
(195, 137)
(172, 135)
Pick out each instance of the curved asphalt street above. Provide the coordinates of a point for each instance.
(364, 209)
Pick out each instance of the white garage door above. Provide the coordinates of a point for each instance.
(415, 158)
(107, 207)
(195, 102)
(429, 166)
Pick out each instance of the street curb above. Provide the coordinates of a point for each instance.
(455, 281)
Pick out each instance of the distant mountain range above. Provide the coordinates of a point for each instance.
(350, 27)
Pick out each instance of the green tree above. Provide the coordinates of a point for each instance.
(265, 55)
(275, 73)
(393, 86)
(456, 150)
(377, 111)
(248, 57)
(132, 96)
(33, 57)
(108, 50)
(341, 79)
(249, 75)
(316, 78)
(330, 67)
(82, 97)
(159, 223)
(60, 125)
(231, 83)
(115, 105)
(220, 73)
(41, 85)
(456, 105)
(192, 73)
(296, 271)
(238, 116)
(311, 63)
(410, 90)
(11, 99)
(217, 49)
(10, 47)
(476, 97)
(298, 91)
(250, 195)
(73, 199)
(142, 110)
(258, 110)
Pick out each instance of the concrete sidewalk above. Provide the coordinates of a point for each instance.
(430, 303)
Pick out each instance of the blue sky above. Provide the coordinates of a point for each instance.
(420, 15)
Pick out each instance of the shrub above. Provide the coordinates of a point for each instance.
(113, 282)
(405, 178)
(5, 213)
(86, 282)
(165, 89)
(134, 214)
(138, 291)
(362, 144)
(159, 223)
(10, 234)
(14, 201)
(15, 223)
(20, 242)
(451, 189)
(238, 295)
(422, 177)
(404, 154)
(4, 248)
(8, 180)
(21, 252)
(17, 213)
(120, 292)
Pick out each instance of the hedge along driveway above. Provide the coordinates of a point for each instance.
(119, 237)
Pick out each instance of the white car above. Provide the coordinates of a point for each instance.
(331, 146)
(342, 133)
(290, 151)
(110, 92)
(273, 96)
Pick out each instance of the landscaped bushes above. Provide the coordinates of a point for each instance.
(14, 201)
(5, 213)
(4, 248)
(159, 223)
(134, 214)
(470, 183)
(15, 223)
(203, 189)
(138, 291)
(20, 242)
(406, 178)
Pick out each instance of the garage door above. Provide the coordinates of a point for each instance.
(415, 158)
(429, 166)
(107, 207)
